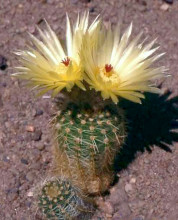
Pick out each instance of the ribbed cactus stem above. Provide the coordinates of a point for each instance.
(87, 143)
(62, 201)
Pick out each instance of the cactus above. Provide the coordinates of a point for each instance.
(60, 200)
(87, 143)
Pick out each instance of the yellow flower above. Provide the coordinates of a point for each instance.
(47, 67)
(117, 66)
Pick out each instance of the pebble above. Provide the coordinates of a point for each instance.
(30, 194)
(30, 128)
(3, 62)
(37, 135)
(30, 176)
(128, 187)
(20, 6)
(169, 1)
(38, 112)
(46, 96)
(92, 9)
(24, 161)
(146, 161)
(40, 147)
(133, 180)
(6, 158)
(164, 7)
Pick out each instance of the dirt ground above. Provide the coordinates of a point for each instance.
(147, 167)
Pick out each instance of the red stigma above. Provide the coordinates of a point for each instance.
(66, 61)
(108, 68)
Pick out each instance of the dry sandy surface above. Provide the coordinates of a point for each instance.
(147, 167)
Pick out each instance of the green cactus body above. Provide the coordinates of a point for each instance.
(62, 201)
(87, 144)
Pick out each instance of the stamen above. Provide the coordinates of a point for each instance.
(66, 61)
(108, 68)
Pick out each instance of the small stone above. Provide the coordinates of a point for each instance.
(46, 96)
(3, 62)
(164, 7)
(37, 135)
(86, 1)
(24, 161)
(7, 124)
(147, 183)
(146, 161)
(41, 147)
(169, 1)
(20, 6)
(36, 154)
(133, 180)
(92, 9)
(108, 216)
(6, 158)
(30, 194)
(30, 128)
(38, 112)
(30, 176)
(128, 187)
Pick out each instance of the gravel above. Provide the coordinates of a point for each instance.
(147, 185)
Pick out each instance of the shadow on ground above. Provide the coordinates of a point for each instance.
(151, 124)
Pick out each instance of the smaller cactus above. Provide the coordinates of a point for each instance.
(60, 200)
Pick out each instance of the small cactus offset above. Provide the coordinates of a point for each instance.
(60, 200)
(87, 145)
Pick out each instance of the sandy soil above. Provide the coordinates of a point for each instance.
(147, 167)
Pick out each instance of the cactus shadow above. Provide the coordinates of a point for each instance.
(153, 123)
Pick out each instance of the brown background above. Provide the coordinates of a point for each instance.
(147, 187)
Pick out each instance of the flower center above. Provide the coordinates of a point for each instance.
(66, 61)
(108, 70)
